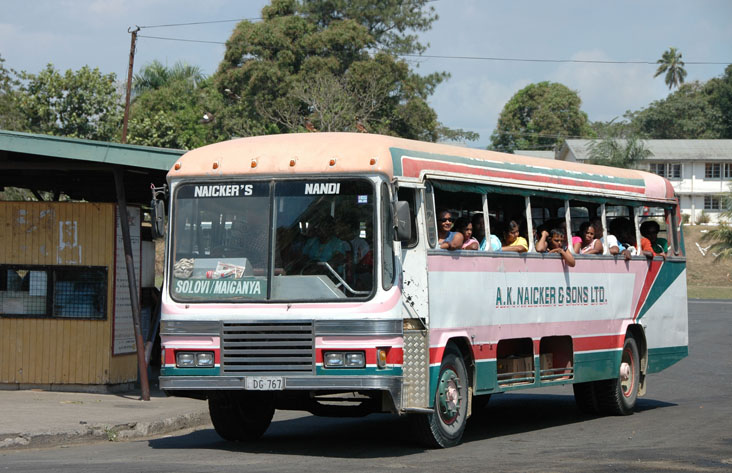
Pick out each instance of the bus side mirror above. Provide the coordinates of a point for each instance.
(157, 215)
(403, 221)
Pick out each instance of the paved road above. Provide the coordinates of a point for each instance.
(683, 424)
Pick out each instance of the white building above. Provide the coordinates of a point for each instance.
(699, 170)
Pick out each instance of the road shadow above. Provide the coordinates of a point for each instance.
(390, 436)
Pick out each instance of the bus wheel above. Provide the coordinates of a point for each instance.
(444, 427)
(241, 416)
(618, 396)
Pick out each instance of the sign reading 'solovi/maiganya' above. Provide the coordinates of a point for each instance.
(251, 287)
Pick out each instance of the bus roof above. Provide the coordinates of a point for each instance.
(339, 153)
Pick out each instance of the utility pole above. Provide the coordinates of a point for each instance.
(129, 81)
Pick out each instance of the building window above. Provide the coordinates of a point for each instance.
(53, 291)
(659, 168)
(674, 171)
(667, 170)
(713, 170)
(712, 202)
(727, 170)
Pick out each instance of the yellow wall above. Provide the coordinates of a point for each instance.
(60, 351)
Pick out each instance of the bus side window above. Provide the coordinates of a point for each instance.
(506, 208)
(546, 214)
(430, 218)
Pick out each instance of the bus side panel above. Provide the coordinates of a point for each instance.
(663, 312)
(486, 298)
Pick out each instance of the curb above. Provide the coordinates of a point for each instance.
(104, 432)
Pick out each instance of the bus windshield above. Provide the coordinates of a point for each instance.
(292, 240)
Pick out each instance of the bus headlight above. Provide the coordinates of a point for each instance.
(342, 359)
(191, 359)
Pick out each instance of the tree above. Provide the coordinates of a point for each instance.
(10, 118)
(672, 65)
(80, 104)
(619, 153)
(173, 107)
(721, 237)
(386, 21)
(328, 65)
(156, 75)
(540, 116)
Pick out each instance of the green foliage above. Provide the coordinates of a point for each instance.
(10, 118)
(80, 104)
(311, 65)
(703, 218)
(540, 116)
(618, 153)
(155, 75)
(172, 115)
(721, 237)
(386, 21)
(672, 66)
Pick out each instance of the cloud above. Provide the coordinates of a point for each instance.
(473, 102)
(609, 90)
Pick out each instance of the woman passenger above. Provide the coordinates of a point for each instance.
(464, 226)
(513, 241)
(447, 239)
(588, 244)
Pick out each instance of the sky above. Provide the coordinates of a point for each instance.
(73, 33)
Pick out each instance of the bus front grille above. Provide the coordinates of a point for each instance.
(264, 348)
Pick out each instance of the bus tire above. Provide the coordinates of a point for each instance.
(618, 396)
(444, 427)
(241, 416)
(585, 397)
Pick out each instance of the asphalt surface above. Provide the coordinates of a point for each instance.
(684, 423)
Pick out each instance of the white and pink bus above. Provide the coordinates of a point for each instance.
(304, 272)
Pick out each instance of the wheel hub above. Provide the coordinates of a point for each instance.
(449, 396)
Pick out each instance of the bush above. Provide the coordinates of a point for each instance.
(703, 218)
(685, 219)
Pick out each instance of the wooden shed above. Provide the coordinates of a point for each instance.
(65, 312)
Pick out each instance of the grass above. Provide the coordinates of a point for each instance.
(705, 278)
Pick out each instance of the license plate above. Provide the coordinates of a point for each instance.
(264, 383)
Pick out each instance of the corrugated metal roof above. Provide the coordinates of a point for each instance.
(672, 150)
(88, 150)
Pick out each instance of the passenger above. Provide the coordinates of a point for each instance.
(464, 226)
(493, 242)
(588, 244)
(512, 240)
(624, 232)
(650, 241)
(447, 239)
(596, 223)
(557, 243)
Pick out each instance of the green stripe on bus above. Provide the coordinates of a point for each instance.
(661, 358)
(398, 153)
(167, 371)
(670, 270)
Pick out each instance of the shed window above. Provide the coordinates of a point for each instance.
(53, 291)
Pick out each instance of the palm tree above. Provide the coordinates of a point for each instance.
(721, 237)
(671, 64)
(619, 153)
(156, 75)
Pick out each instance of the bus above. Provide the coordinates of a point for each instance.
(305, 272)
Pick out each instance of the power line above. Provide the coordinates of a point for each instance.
(180, 39)
(199, 23)
(473, 58)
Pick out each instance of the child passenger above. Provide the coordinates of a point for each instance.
(557, 243)
(464, 226)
